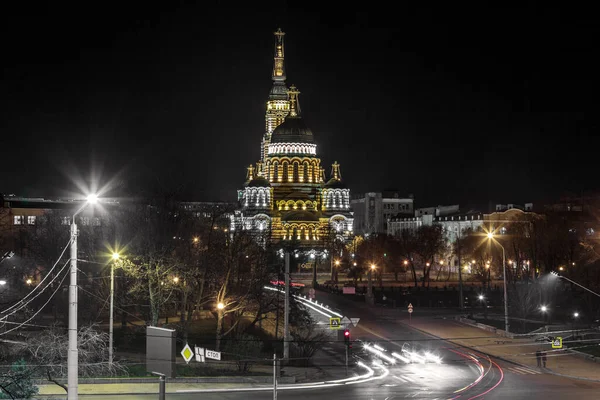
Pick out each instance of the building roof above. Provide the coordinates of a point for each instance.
(292, 130)
(335, 184)
(259, 181)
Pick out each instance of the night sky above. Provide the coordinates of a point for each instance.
(454, 105)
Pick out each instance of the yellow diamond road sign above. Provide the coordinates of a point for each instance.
(187, 353)
(557, 343)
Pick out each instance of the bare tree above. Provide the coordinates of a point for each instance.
(49, 349)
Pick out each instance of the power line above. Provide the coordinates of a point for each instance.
(41, 282)
(40, 309)
(23, 305)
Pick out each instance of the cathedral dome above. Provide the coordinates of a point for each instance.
(259, 181)
(292, 130)
(334, 183)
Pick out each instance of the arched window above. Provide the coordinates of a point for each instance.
(284, 166)
(305, 172)
(275, 176)
(296, 172)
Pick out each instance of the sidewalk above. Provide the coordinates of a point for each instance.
(290, 375)
(520, 351)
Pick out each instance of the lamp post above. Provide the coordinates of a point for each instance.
(73, 353)
(575, 283)
(370, 287)
(115, 257)
(490, 235)
(334, 270)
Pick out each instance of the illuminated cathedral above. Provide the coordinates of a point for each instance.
(286, 194)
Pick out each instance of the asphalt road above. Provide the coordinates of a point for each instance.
(463, 373)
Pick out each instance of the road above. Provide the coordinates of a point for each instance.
(462, 373)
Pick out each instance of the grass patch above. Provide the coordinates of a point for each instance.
(193, 370)
(593, 350)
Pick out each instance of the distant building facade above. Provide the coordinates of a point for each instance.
(373, 210)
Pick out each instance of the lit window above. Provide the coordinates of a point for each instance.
(85, 220)
(31, 219)
(18, 220)
(65, 221)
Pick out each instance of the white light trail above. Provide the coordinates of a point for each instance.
(379, 354)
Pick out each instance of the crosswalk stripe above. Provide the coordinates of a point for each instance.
(403, 379)
(528, 370)
(523, 370)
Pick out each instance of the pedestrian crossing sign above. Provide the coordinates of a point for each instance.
(557, 343)
(334, 323)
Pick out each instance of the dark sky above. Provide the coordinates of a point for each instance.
(455, 105)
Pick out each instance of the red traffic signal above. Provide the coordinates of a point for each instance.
(347, 333)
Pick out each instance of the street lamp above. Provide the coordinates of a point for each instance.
(220, 306)
(490, 236)
(115, 257)
(573, 282)
(370, 287)
(73, 353)
(544, 311)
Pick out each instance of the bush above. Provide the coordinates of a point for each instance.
(16, 383)
(246, 349)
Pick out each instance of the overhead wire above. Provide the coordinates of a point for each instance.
(41, 308)
(38, 311)
(41, 282)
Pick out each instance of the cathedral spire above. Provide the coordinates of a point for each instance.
(335, 171)
(293, 93)
(278, 65)
(250, 173)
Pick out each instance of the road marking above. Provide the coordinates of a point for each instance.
(523, 370)
(403, 379)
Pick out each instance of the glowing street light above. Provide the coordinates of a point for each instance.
(544, 308)
(2, 282)
(575, 314)
(490, 236)
(220, 306)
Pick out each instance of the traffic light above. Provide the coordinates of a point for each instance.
(347, 338)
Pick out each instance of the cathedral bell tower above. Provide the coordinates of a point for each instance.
(278, 105)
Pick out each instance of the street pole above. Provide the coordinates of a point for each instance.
(286, 317)
(73, 354)
(370, 288)
(274, 376)
(162, 386)
(506, 324)
(110, 326)
(346, 360)
(461, 301)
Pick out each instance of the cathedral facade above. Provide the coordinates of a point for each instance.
(286, 194)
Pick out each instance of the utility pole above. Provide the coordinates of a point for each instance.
(110, 326)
(274, 376)
(286, 317)
(461, 301)
(73, 350)
(73, 353)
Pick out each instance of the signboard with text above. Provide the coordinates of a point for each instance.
(214, 355)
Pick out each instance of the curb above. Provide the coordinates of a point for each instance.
(499, 358)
